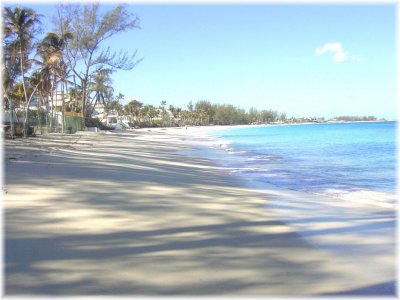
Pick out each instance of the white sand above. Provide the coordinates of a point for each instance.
(123, 213)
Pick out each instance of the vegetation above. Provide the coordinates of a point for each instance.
(67, 64)
(20, 27)
(90, 29)
(355, 118)
(202, 112)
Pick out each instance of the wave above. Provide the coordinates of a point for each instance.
(325, 188)
(261, 158)
(266, 169)
(369, 197)
(306, 160)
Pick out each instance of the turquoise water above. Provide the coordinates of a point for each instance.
(331, 158)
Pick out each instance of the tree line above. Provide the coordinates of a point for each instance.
(356, 118)
(69, 62)
(202, 112)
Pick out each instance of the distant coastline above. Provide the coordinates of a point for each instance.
(291, 124)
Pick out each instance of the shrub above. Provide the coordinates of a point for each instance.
(94, 122)
(19, 129)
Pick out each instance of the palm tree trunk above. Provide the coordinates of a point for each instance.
(23, 84)
(47, 121)
(51, 109)
(55, 89)
(38, 110)
(63, 107)
(27, 108)
(11, 116)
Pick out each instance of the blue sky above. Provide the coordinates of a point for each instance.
(302, 59)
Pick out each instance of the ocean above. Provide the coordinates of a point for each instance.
(348, 161)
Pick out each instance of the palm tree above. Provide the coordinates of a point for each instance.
(64, 75)
(75, 94)
(118, 107)
(101, 86)
(162, 108)
(176, 114)
(133, 108)
(51, 51)
(151, 112)
(186, 115)
(10, 73)
(38, 79)
(20, 26)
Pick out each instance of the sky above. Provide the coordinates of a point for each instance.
(317, 60)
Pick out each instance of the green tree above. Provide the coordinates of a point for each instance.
(75, 94)
(206, 107)
(91, 28)
(151, 112)
(115, 106)
(51, 50)
(226, 114)
(186, 117)
(176, 112)
(39, 79)
(163, 103)
(133, 108)
(254, 115)
(269, 116)
(190, 106)
(10, 71)
(101, 87)
(20, 27)
(282, 117)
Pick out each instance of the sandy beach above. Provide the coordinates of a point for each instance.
(126, 213)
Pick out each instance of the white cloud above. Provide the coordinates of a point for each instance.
(329, 47)
(340, 56)
(338, 53)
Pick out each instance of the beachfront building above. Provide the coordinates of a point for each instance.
(99, 111)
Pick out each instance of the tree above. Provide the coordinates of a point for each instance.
(176, 112)
(227, 114)
(269, 116)
(102, 87)
(133, 108)
(39, 78)
(51, 50)
(10, 72)
(151, 112)
(162, 109)
(75, 94)
(187, 117)
(254, 115)
(190, 106)
(20, 27)
(91, 28)
(115, 105)
(206, 107)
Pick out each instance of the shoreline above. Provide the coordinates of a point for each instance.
(124, 213)
(218, 127)
(214, 143)
(341, 224)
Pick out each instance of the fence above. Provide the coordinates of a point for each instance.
(71, 122)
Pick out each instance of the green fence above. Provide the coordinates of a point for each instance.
(73, 124)
(69, 123)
